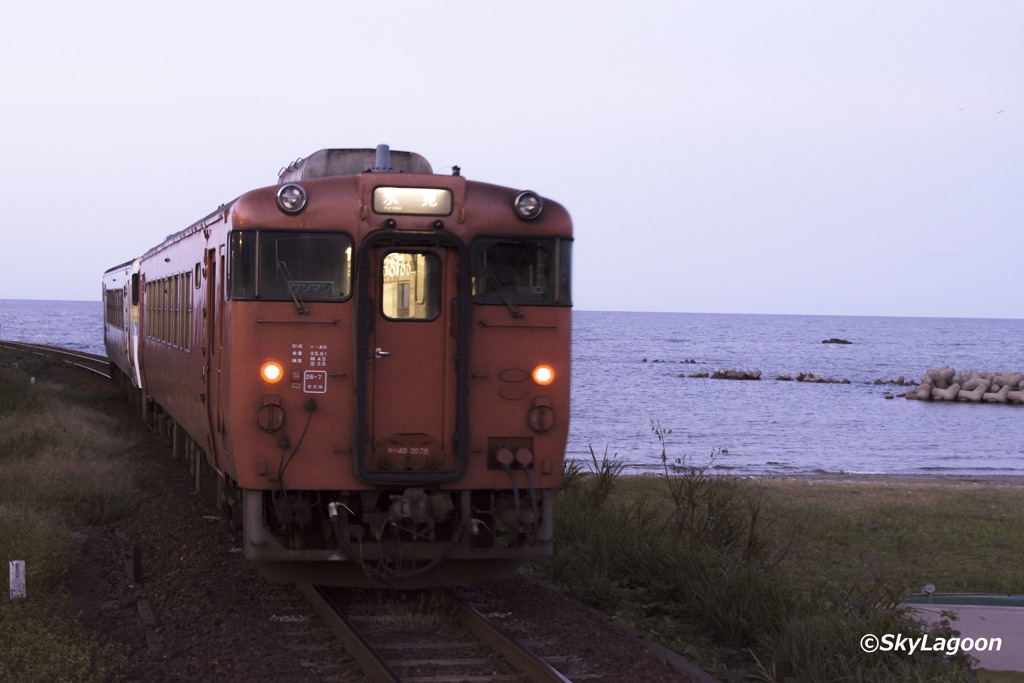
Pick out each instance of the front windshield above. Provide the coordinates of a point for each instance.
(280, 265)
(522, 271)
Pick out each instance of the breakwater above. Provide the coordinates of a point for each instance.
(937, 384)
(973, 386)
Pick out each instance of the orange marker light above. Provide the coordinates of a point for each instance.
(543, 375)
(271, 372)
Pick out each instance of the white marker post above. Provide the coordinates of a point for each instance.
(17, 579)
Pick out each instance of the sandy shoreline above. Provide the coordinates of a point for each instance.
(887, 479)
(881, 479)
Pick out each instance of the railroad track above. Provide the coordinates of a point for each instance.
(87, 361)
(430, 637)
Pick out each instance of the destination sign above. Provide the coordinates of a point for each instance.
(414, 200)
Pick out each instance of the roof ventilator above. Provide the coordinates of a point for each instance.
(383, 162)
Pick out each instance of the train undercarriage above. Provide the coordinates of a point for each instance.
(400, 538)
(396, 538)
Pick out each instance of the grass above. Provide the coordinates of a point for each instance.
(762, 580)
(42, 641)
(957, 536)
(62, 466)
(56, 458)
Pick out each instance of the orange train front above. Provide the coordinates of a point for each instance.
(367, 365)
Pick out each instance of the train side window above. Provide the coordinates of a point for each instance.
(522, 271)
(242, 265)
(411, 286)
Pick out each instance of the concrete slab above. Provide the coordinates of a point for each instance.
(985, 622)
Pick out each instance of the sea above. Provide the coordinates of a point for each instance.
(632, 383)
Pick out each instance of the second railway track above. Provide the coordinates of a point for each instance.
(99, 365)
(429, 638)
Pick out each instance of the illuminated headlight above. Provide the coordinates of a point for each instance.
(291, 198)
(543, 375)
(271, 372)
(528, 205)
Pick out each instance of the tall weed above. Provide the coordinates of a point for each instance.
(692, 568)
(712, 511)
(604, 475)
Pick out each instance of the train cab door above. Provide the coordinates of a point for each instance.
(213, 315)
(411, 338)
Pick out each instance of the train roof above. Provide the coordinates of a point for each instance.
(120, 266)
(340, 162)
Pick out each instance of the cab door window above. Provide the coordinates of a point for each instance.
(410, 285)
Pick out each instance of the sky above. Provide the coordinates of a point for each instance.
(743, 156)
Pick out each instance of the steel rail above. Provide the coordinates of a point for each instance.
(489, 634)
(533, 666)
(369, 660)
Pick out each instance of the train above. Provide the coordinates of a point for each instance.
(366, 366)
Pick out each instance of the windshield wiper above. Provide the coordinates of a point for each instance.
(516, 313)
(282, 268)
